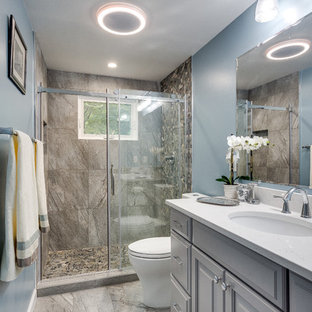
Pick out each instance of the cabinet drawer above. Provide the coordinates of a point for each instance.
(180, 260)
(240, 298)
(180, 300)
(181, 224)
(263, 275)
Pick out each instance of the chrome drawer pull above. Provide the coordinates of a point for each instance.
(216, 279)
(225, 286)
(178, 224)
(178, 260)
(176, 307)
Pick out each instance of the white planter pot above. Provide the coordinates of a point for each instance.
(230, 191)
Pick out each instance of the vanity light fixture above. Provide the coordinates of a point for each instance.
(112, 65)
(288, 49)
(266, 10)
(121, 18)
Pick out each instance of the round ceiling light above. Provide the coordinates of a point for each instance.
(288, 49)
(121, 18)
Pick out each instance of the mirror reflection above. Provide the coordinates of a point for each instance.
(274, 100)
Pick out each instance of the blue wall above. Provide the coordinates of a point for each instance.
(214, 91)
(16, 110)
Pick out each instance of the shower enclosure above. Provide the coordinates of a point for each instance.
(112, 160)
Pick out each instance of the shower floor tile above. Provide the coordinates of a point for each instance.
(126, 297)
(80, 261)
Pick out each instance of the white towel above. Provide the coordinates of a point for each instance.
(41, 189)
(21, 208)
(9, 270)
(27, 226)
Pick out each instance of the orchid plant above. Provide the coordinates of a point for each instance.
(236, 144)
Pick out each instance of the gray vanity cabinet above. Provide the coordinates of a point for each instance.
(240, 298)
(216, 290)
(207, 275)
(300, 294)
(212, 273)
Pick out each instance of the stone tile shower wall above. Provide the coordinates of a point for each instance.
(179, 82)
(77, 168)
(272, 163)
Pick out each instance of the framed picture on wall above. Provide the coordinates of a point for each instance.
(17, 56)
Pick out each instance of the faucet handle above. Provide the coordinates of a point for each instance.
(285, 203)
(305, 212)
(279, 196)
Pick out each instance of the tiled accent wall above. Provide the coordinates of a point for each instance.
(77, 168)
(180, 82)
(272, 163)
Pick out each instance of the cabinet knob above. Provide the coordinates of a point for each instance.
(178, 260)
(217, 279)
(178, 224)
(225, 286)
(176, 307)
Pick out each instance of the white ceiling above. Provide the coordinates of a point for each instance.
(71, 40)
(254, 69)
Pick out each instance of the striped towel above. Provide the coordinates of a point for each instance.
(27, 227)
(21, 208)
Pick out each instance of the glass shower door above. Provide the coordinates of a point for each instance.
(146, 169)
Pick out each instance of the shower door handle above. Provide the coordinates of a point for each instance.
(112, 180)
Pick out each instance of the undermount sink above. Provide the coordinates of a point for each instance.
(272, 223)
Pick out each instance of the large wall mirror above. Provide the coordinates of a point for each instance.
(274, 100)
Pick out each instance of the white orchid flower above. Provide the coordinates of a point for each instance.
(235, 142)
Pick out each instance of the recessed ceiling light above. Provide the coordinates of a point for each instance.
(112, 65)
(288, 49)
(121, 18)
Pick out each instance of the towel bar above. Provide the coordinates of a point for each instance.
(306, 146)
(11, 131)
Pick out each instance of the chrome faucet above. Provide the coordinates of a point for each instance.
(305, 212)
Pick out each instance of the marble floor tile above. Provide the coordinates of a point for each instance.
(125, 297)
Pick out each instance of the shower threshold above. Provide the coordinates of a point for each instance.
(64, 284)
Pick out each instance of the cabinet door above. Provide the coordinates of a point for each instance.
(207, 276)
(300, 294)
(240, 298)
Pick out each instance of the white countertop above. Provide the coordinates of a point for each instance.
(291, 252)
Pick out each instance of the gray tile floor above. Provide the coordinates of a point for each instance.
(125, 297)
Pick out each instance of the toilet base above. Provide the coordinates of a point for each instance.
(154, 275)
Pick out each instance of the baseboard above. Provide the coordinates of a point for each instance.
(32, 302)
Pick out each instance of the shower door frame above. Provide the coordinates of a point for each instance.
(107, 96)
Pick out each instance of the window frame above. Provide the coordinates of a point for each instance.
(85, 136)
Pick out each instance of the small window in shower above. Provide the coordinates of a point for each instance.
(92, 120)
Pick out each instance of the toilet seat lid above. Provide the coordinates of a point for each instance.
(155, 247)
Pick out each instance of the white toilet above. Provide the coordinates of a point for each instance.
(150, 259)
